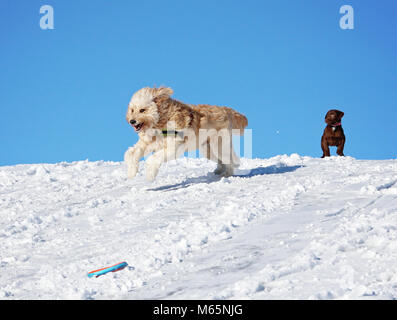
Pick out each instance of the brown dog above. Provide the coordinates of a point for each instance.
(333, 133)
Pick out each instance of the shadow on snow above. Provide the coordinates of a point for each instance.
(211, 177)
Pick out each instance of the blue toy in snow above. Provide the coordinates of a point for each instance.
(102, 271)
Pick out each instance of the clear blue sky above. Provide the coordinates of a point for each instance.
(64, 92)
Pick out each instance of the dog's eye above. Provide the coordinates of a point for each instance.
(142, 110)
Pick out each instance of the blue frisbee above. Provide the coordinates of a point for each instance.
(102, 271)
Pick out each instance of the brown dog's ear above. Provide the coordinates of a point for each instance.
(341, 114)
(326, 116)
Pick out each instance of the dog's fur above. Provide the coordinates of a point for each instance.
(152, 110)
(333, 133)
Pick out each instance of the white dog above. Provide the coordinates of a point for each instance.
(169, 128)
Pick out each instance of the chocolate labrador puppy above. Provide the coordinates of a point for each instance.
(333, 133)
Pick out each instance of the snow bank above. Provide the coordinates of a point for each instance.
(281, 228)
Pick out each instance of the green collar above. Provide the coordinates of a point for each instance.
(169, 132)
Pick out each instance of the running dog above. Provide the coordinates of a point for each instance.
(169, 128)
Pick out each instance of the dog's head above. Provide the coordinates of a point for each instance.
(333, 117)
(142, 112)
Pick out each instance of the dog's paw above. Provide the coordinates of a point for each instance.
(129, 154)
(228, 172)
(220, 169)
(151, 173)
(132, 171)
(152, 167)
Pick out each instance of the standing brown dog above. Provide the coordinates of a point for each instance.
(333, 133)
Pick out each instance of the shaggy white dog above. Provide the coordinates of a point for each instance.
(169, 128)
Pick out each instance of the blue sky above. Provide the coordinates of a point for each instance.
(284, 64)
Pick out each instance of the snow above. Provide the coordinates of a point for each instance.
(288, 227)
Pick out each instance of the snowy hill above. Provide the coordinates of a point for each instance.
(289, 227)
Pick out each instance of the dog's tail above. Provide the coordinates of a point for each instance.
(237, 121)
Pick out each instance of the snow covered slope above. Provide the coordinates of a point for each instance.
(289, 227)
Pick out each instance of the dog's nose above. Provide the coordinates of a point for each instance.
(132, 122)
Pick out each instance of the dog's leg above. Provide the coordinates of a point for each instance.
(227, 158)
(220, 168)
(205, 150)
(228, 169)
(325, 147)
(222, 153)
(132, 156)
(223, 168)
(340, 148)
(171, 151)
(233, 163)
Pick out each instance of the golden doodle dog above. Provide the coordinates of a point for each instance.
(169, 128)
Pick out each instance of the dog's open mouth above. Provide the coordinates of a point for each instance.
(138, 126)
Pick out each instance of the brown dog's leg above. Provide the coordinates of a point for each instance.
(325, 147)
(339, 151)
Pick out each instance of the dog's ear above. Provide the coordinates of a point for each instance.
(163, 91)
(326, 116)
(340, 114)
(161, 94)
